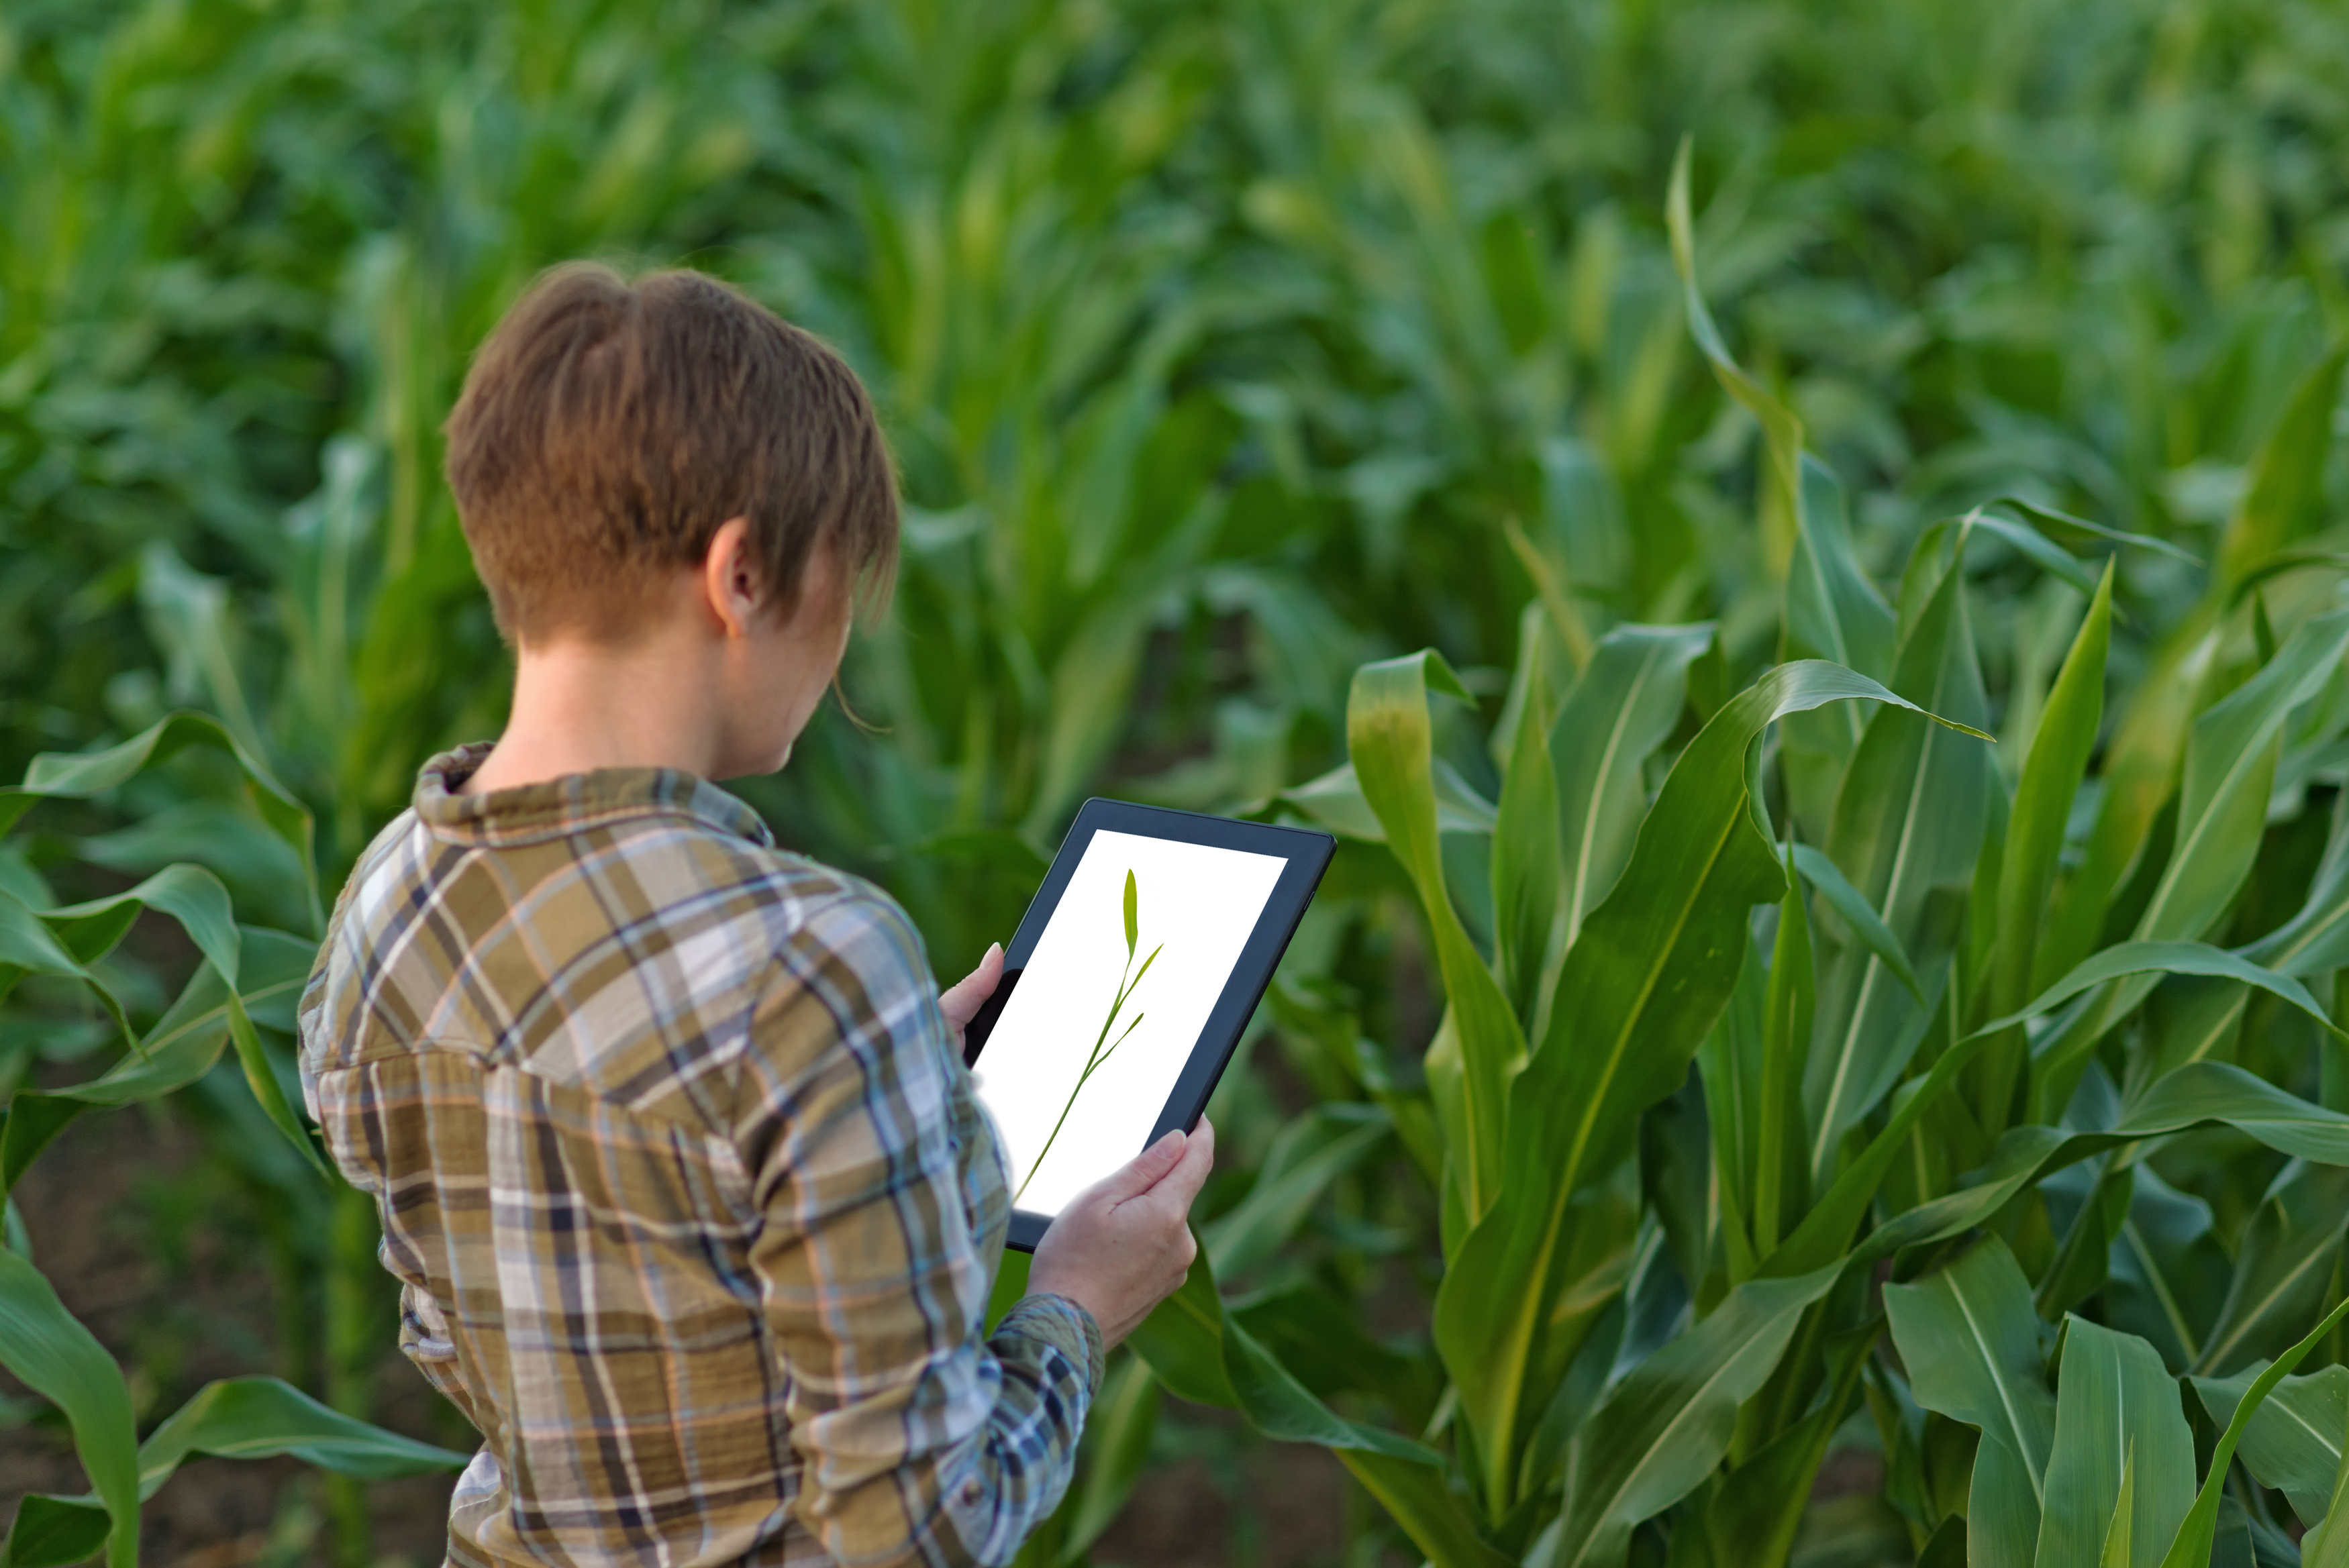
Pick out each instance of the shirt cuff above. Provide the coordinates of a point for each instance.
(1064, 1326)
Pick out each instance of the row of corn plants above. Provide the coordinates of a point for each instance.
(1804, 1062)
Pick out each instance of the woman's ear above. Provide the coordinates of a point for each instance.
(730, 578)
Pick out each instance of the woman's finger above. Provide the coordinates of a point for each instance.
(962, 1000)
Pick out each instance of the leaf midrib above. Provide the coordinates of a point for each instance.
(2032, 1463)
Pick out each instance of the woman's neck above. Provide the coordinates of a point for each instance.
(579, 706)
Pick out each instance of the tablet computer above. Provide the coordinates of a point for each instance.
(1126, 988)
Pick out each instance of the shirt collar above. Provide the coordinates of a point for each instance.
(572, 803)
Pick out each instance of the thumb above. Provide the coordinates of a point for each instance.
(1144, 1171)
(963, 1000)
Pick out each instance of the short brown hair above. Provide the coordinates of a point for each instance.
(608, 428)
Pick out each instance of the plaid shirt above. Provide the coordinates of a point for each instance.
(692, 1207)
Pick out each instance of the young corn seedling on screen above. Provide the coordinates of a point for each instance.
(1104, 1046)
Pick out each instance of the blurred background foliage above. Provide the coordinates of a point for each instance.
(1224, 344)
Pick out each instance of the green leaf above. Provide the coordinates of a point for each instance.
(2292, 1442)
(2327, 1544)
(33, 1121)
(1661, 1430)
(54, 1532)
(258, 1418)
(2286, 471)
(1201, 1353)
(1307, 1155)
(1183, 1341)
(1335, 800)
(2195, 1534)
(2113, 1393)
(58, 1358)
(2197, 1095)
(2230, 760)
(2052, 772)
(1969, 1336)
(2282, 1264)
(86, 774)
(2001, 1509)
(180, 1048)
(1527, 869)
(1730, 1062)
(1622, 708)
(191, 896)
(1833, 611)
(1641, 985)
(1859, 915)
(262, 1080)
(1117, 1433)
(1437, 1519)
(2046, 513)
(1129, 911)
(2140, 958)
(1389, 740)
(1909, 819)
(1781, 1166)
(2167, 1275)
(28, 945)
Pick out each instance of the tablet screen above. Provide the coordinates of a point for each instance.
(1094, 1035)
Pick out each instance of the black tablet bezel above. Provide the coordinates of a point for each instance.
(1307, 853)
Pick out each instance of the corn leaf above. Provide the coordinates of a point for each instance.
(1908, 820)
(2052, 772)
(80, 775)
(1307, 1156)
(1389, 739)
(2285, 470)
(51, 1354)
(258, 1418)
(2222, 815)
(1858, 916)
(1626, 703)
(2195, 1534)
(1641, 985)
(2292, 1442)
(2326, 1545)
(2283, 1264)
(54, 1532)
(1660, 1432)
(1527, 868)
(1203, 1355)
(1969, 1336)
(2113, 1393)
(1730, 1061)
(1780, 1168)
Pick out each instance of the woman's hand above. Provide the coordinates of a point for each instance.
(961, 1001)
(1123, 1245)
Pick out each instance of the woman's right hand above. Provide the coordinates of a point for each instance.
(1123, 1245)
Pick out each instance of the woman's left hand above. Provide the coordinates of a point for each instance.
(961, 1001)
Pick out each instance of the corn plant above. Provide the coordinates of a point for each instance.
(245, 981)
(1830, 1001)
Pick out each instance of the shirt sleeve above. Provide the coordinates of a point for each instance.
(923, 1440)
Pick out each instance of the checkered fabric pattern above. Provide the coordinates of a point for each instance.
(692, 1206)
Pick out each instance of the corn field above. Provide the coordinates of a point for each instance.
(1802, 547)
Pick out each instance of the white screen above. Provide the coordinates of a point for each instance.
(1194, 906)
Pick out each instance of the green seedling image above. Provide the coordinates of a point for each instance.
(1104, 1046)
